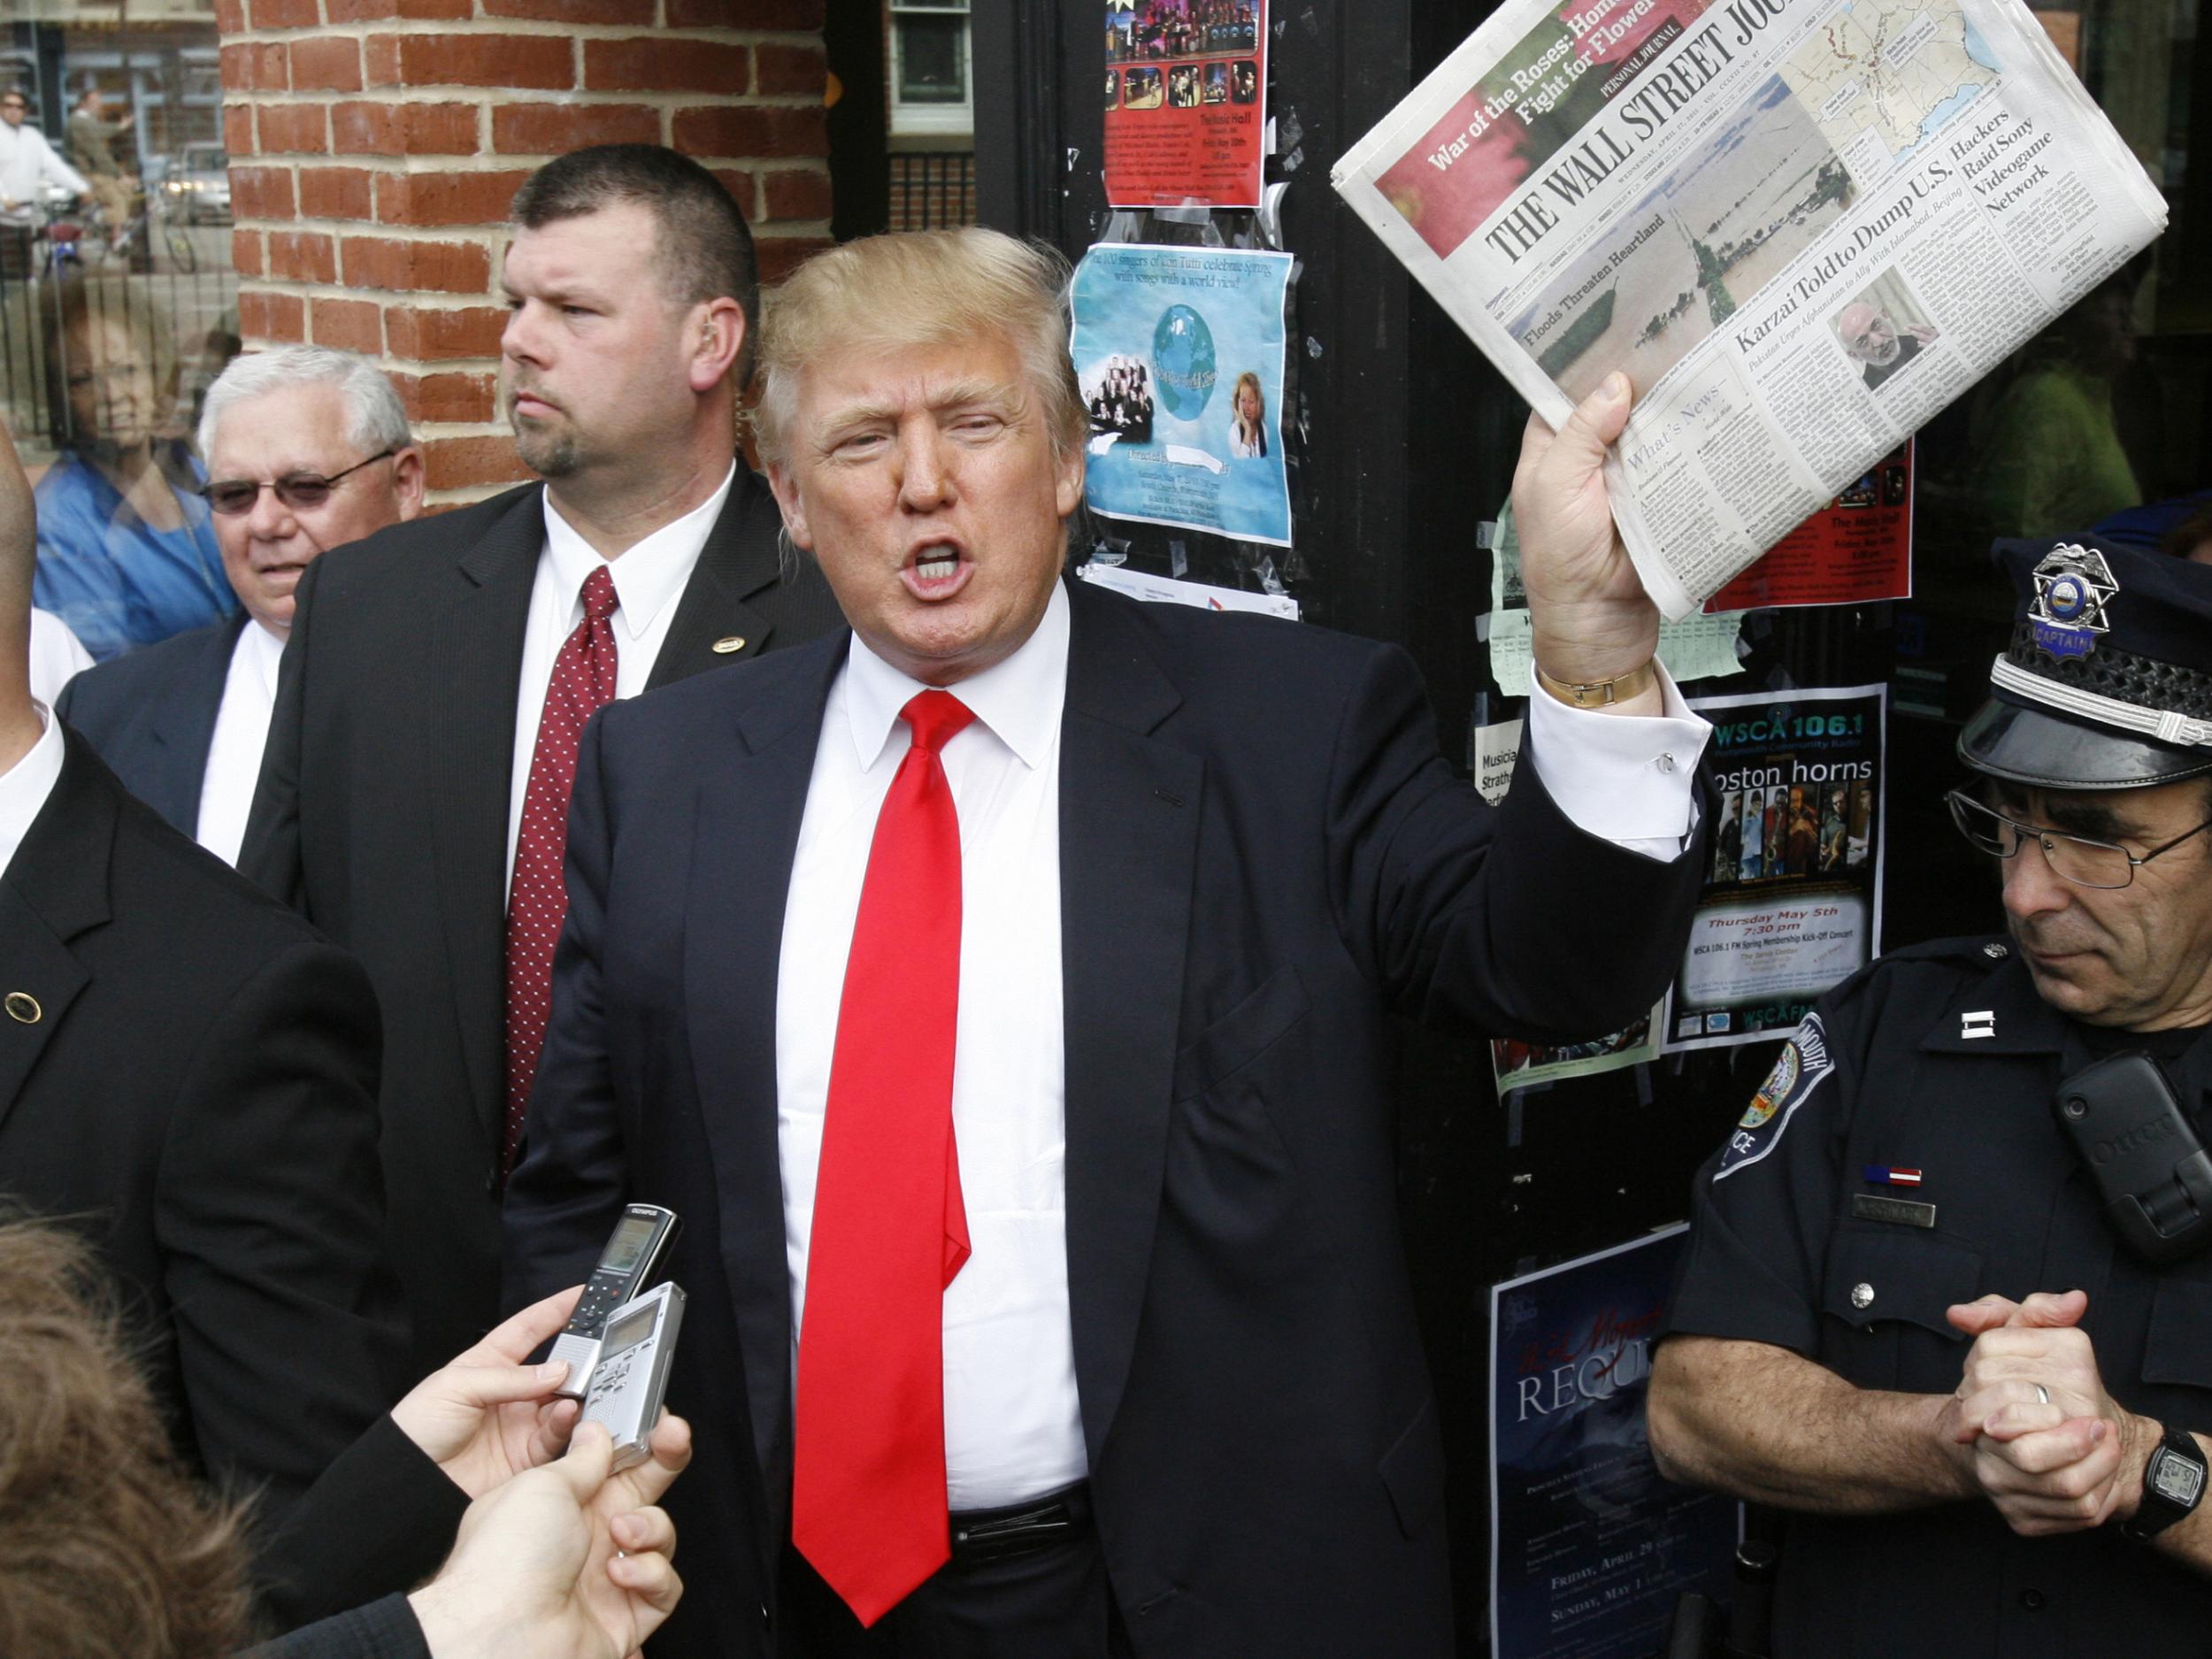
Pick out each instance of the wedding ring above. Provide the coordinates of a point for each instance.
(2042, 1395)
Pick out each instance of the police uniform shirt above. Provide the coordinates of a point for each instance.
(1943, 1060)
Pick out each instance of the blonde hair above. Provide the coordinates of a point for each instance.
(933, 288)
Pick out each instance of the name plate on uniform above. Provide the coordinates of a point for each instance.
(1905, 1212)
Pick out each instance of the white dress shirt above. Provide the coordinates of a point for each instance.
(234, 751)
(649, 578)
(25, 786)
(57, 656)
(28, 162)
(1013, 1428)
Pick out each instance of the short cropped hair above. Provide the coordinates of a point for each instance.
(375, 419)
(703, 245)
(932, 287)
(110, 1551)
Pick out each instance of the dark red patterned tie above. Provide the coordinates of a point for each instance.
(583, 682)
(890, 1232)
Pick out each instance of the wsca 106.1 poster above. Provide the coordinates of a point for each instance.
(1179, 352)
(1793, 901)
(1589, 1548)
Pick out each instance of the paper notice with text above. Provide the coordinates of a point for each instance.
(1801, 227)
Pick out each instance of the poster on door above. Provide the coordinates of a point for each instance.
(1186, 101)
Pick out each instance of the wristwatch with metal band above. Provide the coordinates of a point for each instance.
(2173, 1483)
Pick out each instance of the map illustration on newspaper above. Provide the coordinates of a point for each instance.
(1801, 227)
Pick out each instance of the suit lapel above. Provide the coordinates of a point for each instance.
(1129, 814)
(745, 834)
(739, 560)
(55, 888)
(184, 725)
(476, 647)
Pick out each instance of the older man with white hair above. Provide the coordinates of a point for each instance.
(307, 448)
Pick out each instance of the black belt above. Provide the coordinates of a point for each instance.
(1020, 1529)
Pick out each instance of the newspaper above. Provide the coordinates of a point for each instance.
(1801, 227)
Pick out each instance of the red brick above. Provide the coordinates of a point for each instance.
(448, 397)
(732, 130)
(303, 256)
(362, 11)
(780, 256)
(261, 192)
(745, 14)
(230, 17)
(554, 129)
(447, 198)
(738, 183)
(649, 63)
(329, 65)
(349, 325)
(457, 463)
(380, 60)
(245, 253)
(412, 10)
(797, 193)
(788, 69)
(256, 67)
(294, 130)
(636, 13)
(280, 317)
(433, 267)
(403, 129)
(285, 14)
(336, 193)
(486, 60)
(441, 336)
(238, 129)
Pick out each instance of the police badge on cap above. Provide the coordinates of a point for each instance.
(2107, 683)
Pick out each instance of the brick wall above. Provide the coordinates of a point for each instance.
(375, 145)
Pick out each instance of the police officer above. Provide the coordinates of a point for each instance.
(1902, 1314)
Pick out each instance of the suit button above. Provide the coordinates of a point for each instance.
(2033, 1600)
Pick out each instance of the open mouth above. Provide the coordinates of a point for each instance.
(936, 570)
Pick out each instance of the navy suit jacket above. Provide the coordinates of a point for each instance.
(150, 715)
(1262, 855)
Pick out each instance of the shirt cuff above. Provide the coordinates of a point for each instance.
(1628, 779)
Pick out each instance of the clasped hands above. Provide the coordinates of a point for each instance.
(2032, 1427)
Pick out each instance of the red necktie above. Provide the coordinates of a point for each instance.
(868, 1479)
(583, 680)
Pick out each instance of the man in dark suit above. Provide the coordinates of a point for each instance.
(307, 448)
(188, 1074)
(1039, 1060)
(418, 762)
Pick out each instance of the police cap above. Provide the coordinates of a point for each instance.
(2108, 682)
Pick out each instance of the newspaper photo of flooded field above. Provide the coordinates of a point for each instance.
(1706, 239)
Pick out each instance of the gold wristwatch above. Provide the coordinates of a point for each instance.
(1597, 693)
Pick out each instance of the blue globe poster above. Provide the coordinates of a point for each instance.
(1179, 352)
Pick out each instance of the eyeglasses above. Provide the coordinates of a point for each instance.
(299, 491)
(2084, 861)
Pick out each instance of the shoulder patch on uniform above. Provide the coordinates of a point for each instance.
(1797, 1070)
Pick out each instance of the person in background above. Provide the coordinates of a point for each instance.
(307, 448)
(1247, 432)
(93, 138)
(28, 165)
(127, 547)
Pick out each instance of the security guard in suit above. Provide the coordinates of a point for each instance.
(1918, 1310)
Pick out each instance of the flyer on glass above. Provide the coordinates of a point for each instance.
(1792, 903)
(1589, 1548)
(1186, 90)
(1179, 352)
(1855, 551)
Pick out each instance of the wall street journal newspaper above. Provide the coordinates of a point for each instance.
(1801, 226)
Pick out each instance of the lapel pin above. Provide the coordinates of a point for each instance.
(727, 643)
(1885, 1175)
(23, 1007)
(1983, 1023)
